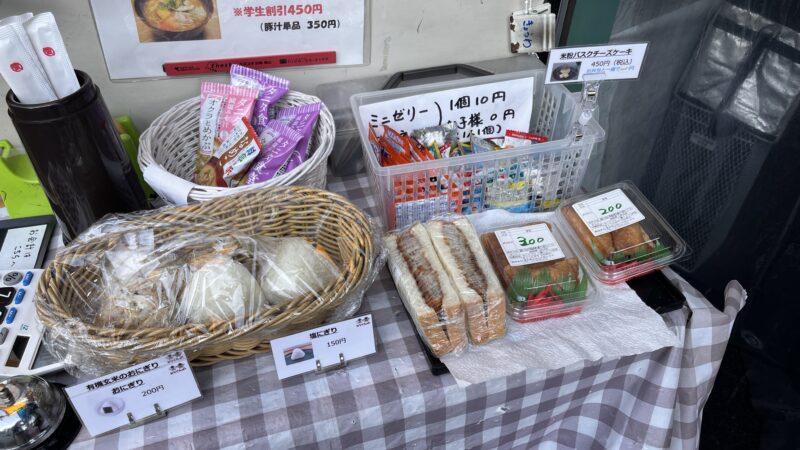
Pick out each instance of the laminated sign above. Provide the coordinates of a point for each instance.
(154, 38)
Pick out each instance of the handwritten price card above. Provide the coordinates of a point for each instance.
(487, 110)
(608, 212)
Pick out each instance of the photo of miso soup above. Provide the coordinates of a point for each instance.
(176, 20)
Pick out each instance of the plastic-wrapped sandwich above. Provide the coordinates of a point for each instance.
(471, 273)
(426, 290)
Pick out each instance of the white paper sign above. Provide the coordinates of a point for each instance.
(136, 42)
(104, 403)
(608, 212)
(488, 109)
(529, 245)
(299, 353)
(598, 62)
(21, 248)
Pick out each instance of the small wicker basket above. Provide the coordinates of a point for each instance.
(322, 218)
(171, 142)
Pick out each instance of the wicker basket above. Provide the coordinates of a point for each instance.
(171, 143)
(321, 217)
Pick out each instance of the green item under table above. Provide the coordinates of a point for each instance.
(19, 185)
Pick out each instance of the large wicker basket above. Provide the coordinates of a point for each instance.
(171, 142)
(321, 217)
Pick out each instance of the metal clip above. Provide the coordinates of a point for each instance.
(589, 95)
(158, 413)
(589, 103)
(342, 364)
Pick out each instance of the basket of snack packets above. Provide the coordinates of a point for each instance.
(217, 279)
(251, 133)
(493, 142)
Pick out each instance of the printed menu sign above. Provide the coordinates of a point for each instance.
(597, 62)
(154, 38)
(115, 400)
(608, 212)
(529, 245)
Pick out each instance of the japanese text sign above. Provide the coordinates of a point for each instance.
(599, 62)
(486, 110)
(300, 352)
(154, 38)
(114, 400)
(20, 247)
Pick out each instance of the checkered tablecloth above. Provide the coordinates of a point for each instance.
(391, 400)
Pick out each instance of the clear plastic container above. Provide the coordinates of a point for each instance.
(532, 178)
(618, 234)
(542, 276)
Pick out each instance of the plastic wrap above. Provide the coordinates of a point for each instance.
(540, 273)
(426, 290)
(136, 286)
(470, 271)
(617, 233)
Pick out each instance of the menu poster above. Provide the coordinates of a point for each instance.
(141, 37)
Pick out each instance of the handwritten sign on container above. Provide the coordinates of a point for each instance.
(487, 110)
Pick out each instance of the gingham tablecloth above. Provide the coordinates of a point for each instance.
(391, 400)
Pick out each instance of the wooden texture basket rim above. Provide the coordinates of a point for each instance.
(156, 148)
(336, 224)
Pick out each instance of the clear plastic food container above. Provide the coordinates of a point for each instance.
(618, 234)
(541, 274)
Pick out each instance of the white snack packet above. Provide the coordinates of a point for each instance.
(22, 18)
(20, 67)
(49, 48)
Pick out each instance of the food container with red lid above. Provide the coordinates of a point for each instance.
(617, 234)
(542, 276)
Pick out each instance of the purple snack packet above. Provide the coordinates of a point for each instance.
(301, 119)
(271, 89)
(279, 142)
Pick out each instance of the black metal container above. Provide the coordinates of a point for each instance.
(77, 154)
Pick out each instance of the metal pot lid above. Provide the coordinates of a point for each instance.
(30, 411)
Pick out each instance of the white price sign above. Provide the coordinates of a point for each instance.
(608, 212)
(597, 62)
(486, 110)
(111, 401)
(21, 246)
(300, 352)
(529, 245)
(140, 37)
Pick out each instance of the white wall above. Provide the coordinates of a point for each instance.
(406, 34)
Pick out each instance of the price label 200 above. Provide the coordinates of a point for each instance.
(610, 209)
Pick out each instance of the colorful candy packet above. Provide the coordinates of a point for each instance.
(229, 163)
(375, 143)
(271, 89)
(439, 139)
(302, 119)
(280, 142)
(221, 107)
(396, 149)
(480, 145)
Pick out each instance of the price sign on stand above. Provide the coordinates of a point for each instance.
(328, 346)
(131, 396)
(597, 62)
